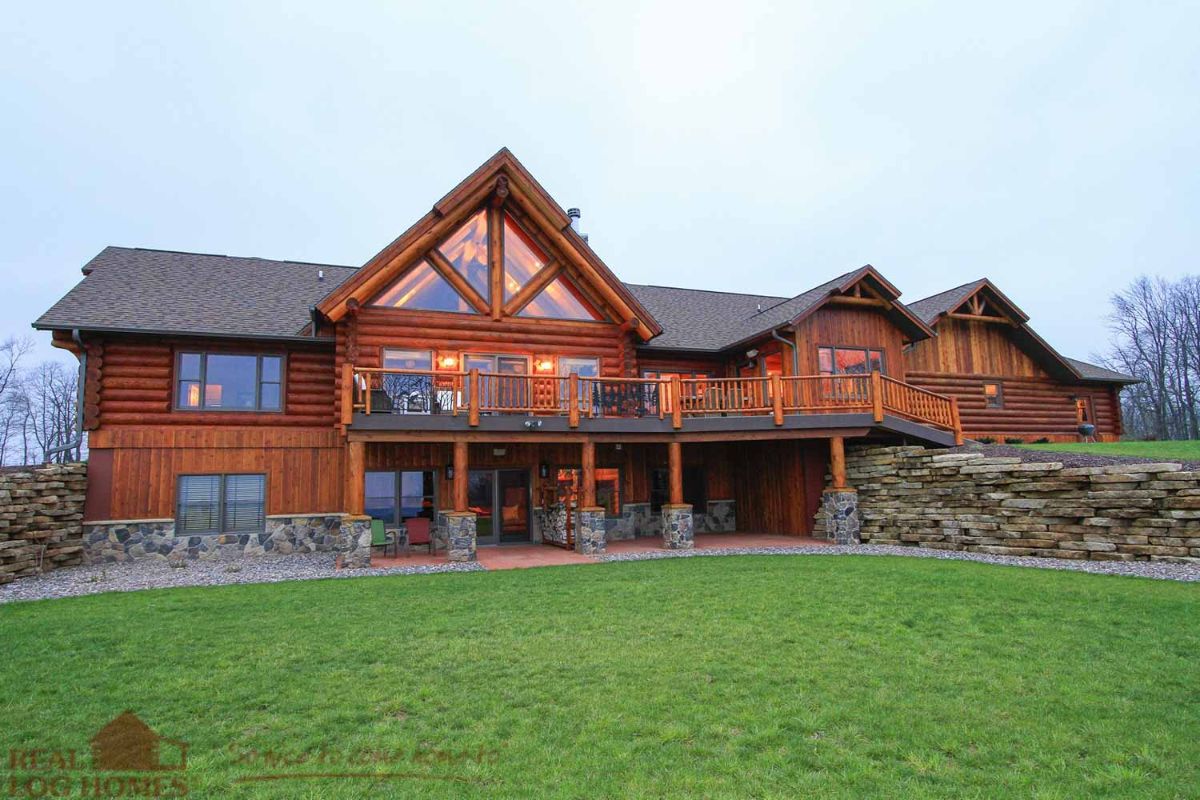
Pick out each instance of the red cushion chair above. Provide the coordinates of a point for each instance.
(418, 534)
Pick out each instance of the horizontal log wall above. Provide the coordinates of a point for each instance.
(137, 374)
(1033, 408)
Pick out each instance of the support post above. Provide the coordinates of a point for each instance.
(837, 461)
(777, 398)
(461, 468)
(587, 490)
(675, 472)
(347, 393)
(356, 476)
(474, 390)
(877, 395)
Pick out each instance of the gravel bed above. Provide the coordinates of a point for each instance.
(1161, 570)
(134, 576)
(1069, 460)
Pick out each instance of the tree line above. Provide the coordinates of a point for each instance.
(1156, 338)
(37, 407)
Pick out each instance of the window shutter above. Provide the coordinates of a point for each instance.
(244, 503)
(199, 503)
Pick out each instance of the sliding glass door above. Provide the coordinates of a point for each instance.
(500, 500)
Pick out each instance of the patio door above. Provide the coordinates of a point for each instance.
(500, 500)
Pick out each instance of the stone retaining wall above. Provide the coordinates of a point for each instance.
(964, 501)
(129, 540)
(41, 509)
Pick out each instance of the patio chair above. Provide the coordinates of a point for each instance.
(418, 534)
(381, 537)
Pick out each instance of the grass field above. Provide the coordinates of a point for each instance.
(1179, 451)
(715, 677)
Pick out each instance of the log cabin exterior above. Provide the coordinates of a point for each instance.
(488, 372)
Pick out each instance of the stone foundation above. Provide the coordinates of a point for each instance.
(129, 540)
(839, 507)
(40, 513)
(968, 501)
(590, 533)
(353, 543)
(677, 527)
(460, 535)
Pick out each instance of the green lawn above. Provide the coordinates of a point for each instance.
(707, 677)
(1168, 451)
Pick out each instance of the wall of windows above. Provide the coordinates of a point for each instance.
(220, 504)
(229, 382)
(396, 496)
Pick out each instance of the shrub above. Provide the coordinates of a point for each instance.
(986, 440)
(1013, 440)
(1043, 440)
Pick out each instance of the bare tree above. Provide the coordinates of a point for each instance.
(51, 392)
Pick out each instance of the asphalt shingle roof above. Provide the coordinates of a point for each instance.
(932, 307)
(162, 291)
(1092, 372)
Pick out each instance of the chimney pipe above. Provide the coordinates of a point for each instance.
(573, 215)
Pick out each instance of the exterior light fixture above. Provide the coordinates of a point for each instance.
(544, 365)
(450, 472)
(543, 470)
(448, 361)
(751, 353)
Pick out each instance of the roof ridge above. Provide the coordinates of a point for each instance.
(975, 282)
(706, 291)
(223, 255)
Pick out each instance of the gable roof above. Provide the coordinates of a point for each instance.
(934, 308)
(501, 176)
(713, 321)
(128, 289)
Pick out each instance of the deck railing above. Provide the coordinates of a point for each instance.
(475, 393)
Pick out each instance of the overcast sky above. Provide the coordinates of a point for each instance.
(1052, 147)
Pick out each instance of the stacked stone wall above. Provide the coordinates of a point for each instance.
(41, 513)
(969, 501)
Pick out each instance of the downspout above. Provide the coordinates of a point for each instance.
(312, 318)
(78, 440)
(795, 351)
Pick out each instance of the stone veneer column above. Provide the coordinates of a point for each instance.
(677, 527)
(840, 509)
(590, 533)
(460, 536)
(354, 542)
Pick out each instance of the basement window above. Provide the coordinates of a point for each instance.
(220, 504)
(993, 395)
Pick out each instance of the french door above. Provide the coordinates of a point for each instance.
(500, 500)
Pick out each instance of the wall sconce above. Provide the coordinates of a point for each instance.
(544, 365)
(449, 361)
(499, 451)
(751, 353)
(450, 472)
(543, 470)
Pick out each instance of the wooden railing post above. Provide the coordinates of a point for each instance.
(956, 421)
(347, 393)
(777, 398)
(367, 393)
(474, 390)
(877, 394)
(573, 400)
(676, 403)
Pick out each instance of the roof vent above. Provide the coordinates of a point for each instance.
(320, 275)
(758, 308)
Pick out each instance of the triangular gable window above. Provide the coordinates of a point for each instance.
(423, 289)
(467, 251)
(522, 258)
(559, 300)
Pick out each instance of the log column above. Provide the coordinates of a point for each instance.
(839, 503)
(353, 543)
(356, 477)
(590, 531)
(677, 522)
(459, 524)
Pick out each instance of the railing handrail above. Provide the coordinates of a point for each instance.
(675, 396)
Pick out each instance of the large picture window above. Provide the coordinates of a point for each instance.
(220, 504)
(849, 361)
(394, 496)
(229, 382)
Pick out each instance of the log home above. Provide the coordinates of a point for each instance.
(487, 375)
